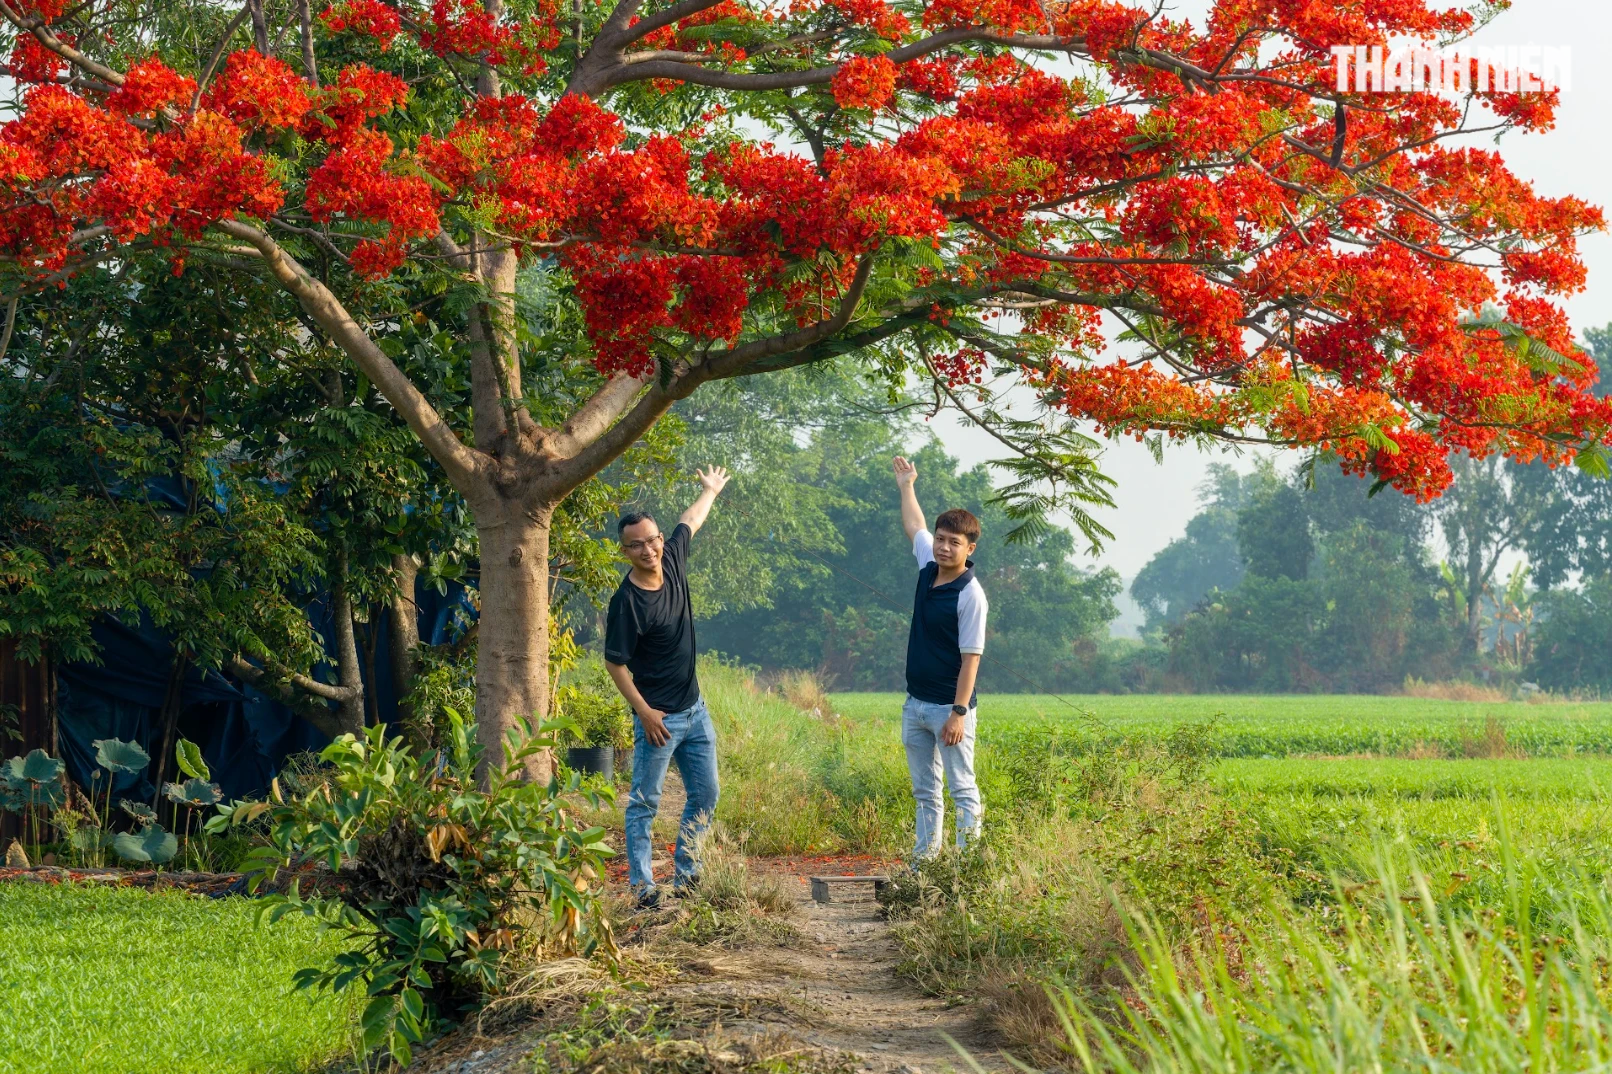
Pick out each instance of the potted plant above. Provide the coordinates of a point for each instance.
(600, 724)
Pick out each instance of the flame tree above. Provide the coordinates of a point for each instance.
(972, 190)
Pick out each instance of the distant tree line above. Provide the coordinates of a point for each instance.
(1284, 581)
(1306, 582)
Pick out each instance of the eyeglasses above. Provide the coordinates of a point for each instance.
(648, 542)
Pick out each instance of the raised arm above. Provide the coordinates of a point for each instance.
(712, 482)
(912, 516)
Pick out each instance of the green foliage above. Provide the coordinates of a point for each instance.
(193, 793)
(1574, 635)
(150, 844)
(1203, 560)
(441, 873)
(188, 756)
(595, 710)
(116, 755)
(1338, 593)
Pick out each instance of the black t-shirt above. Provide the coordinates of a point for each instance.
(652, 632)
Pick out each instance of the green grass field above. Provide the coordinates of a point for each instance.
(102, 980)
(1281, 726)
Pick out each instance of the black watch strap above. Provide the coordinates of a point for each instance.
(959, 710)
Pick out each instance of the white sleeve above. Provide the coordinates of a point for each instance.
(923, 547)
(972, 607)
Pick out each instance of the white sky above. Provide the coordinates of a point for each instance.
(1154, 503)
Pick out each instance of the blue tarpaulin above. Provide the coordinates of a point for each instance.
(244, 734)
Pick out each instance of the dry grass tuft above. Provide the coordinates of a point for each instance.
(1454, 691)
(806, 692)
(1489, 743)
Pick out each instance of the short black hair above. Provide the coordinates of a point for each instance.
(960, 522)
(632, 518)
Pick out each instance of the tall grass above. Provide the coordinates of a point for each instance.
(1393, 978)
(803, 782)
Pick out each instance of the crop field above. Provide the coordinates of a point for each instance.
(1283, 726)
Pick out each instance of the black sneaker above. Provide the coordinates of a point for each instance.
(648, 900)
(687, 888)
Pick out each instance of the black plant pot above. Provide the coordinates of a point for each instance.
(594, 760)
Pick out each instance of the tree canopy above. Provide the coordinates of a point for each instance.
(720, 189)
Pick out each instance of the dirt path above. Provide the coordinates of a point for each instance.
(833, 988)
(846, 997)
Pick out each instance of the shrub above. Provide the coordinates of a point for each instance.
(438, 875)
(595, 710)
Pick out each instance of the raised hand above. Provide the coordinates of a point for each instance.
(906, 472)
(713, 480)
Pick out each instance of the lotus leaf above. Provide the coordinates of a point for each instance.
(151, 844)
(37, 767)
(191, 763)
(12, 800)
(121, 756)
(49, 795)
(196, 793)
(139, 811)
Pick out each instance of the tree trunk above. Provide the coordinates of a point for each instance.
(403, 627)
(348, 668)
(512, 658)
(1474, 597)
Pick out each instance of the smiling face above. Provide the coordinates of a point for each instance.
(642, 544)
(952, 549)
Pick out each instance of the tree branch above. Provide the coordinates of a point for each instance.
(285, 684)
(605, 72)
(732, 363)
(43, 35)
(595, 415)
(463, 465)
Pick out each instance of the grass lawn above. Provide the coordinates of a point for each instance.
(99, 979)
(1256, 726)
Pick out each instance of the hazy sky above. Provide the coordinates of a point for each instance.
(1155, 502)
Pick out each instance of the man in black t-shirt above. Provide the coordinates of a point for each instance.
(649, 652)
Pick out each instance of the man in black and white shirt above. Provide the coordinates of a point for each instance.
(943, 659)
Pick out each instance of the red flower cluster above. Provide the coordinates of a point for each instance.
(466, 29)
(1296, 299)
(259, 93)
(865, 82)
(149, 87)
(371, 18)
(355, 181)
(32, 62)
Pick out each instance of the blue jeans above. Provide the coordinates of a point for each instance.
(693, 746)
(927, 759)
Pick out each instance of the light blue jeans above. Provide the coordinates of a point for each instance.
(927, 759)
(693, 746)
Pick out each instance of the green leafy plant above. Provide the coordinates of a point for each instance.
(195, 793)
(149, 844)
(114, 755)
(32, 785)
(597, 712)
(439, 874)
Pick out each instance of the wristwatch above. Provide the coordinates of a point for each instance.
(959, 710)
